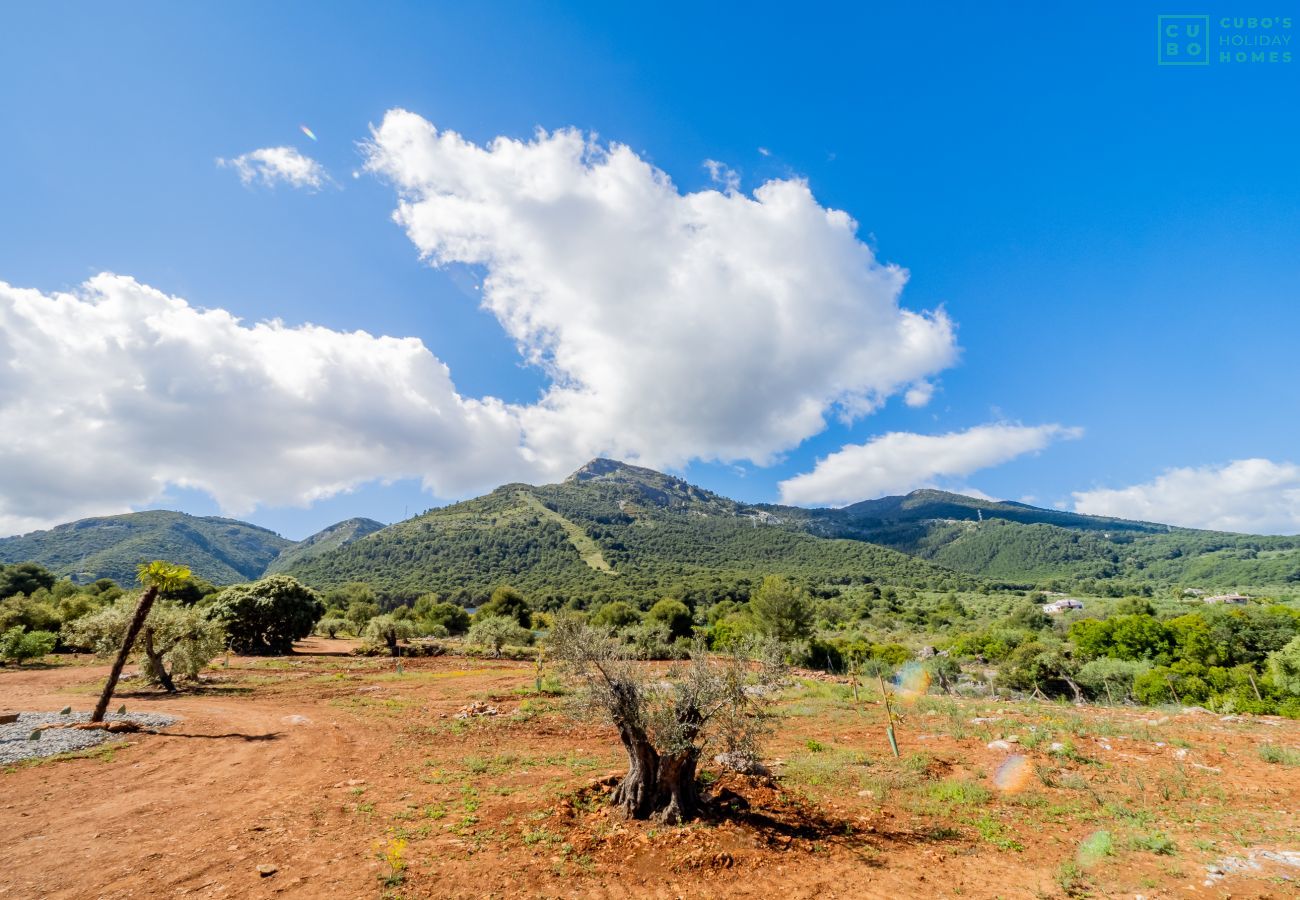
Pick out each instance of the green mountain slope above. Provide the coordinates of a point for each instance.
(1016, 542)
(224, 551)
(608, 531)
(337, 535)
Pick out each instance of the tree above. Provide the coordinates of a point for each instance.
(674, 615)
(1284, 666)
(24, 578)
(390, 629)
(781, 609)
(506, 601)
(331, 626)
(176, 641)
(18, 645)
(666, 729)
(156, 576)
(267, 616)
(616, 615)
(447, 615)
(498, 631)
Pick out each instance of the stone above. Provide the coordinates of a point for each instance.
(266, 870)
(998, 745)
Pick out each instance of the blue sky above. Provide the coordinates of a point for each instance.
(1115, 241)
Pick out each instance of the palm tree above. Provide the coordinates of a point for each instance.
(157, 576)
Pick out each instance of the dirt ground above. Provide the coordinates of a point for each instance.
(352, 780)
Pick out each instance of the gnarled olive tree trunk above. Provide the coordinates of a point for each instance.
(657, 786)
(157, 664)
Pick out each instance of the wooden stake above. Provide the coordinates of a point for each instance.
(1170, 682)
(1255, 686)
(889, 716)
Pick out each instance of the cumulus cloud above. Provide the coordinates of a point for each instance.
(1256, 496)
(110, 394)
(898, 462)
(270, 166)
(710, 325)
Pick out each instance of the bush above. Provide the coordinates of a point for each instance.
(616, 615)
(267, 616)
(1284, 666)
(495, 632)
(449, 616)
(177, 641)
(18, 646)
(1111, 679)
(506, 601)
(672, 614)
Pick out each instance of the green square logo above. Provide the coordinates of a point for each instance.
(1182, 40)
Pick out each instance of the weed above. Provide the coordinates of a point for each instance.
(1070, 879)
(960, 793)
(1156, 842)
(995, 833)
(1282, 756)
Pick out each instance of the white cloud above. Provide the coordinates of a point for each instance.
(708, 325)
(722, 174)
(919, 394)
(272, 165)
(111, 394)
(1256, 496)
(898, 462)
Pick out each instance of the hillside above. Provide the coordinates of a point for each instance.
(1012, 541)
(224, 551)
(608, 531)
(337, 535)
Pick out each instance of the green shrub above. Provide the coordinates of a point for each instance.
(18, 646)
(267, 616)
(495, 632)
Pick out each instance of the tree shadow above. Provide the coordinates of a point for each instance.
(269, 736)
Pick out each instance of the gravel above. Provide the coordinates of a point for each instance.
(16, 744)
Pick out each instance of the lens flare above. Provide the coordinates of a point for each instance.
(1013, 775)
(913, 681)
(307, 131)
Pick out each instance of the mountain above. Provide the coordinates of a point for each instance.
(337, 535)
(610, 530)
(223, 551)
(1016, 542)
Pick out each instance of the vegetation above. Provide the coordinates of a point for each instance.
(266, 616)
(156, 577)
(176, 641)
(337, 535)
(711, 701)
(18, 646)
(496, 632)
(223, 551)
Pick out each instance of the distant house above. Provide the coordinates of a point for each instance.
(1236, 599)
(1060, 606)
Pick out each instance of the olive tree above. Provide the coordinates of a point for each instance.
(498, 631)
(388, 630)
(666, 724)
(175, 642)
(267, 616)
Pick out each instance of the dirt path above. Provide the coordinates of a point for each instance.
(354, 781)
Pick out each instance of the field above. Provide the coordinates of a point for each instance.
(353, 780)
